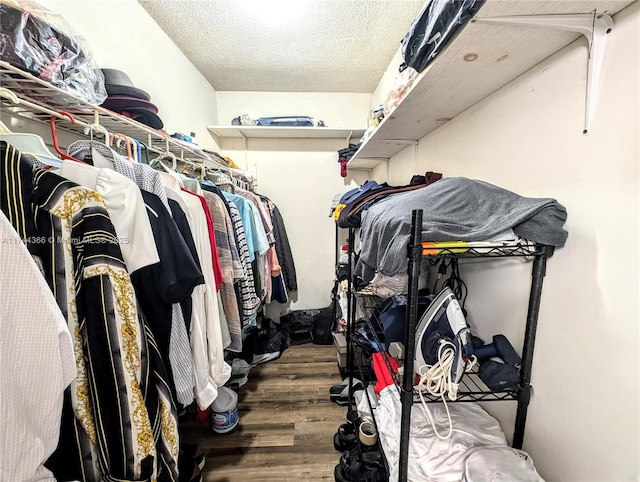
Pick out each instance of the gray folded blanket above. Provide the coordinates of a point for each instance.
(454, 209)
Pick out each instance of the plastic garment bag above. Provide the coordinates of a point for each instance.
(38, 41)
(438, 23)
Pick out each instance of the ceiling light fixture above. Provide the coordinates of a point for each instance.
(277, 13)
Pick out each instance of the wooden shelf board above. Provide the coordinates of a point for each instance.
(450, 84)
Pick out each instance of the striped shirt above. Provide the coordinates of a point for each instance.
(250, 300)
(230, 266)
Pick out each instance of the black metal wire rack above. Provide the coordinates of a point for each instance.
(471, 388)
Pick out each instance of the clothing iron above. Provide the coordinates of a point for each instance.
(443, 322)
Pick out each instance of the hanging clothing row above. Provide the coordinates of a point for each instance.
(155, 275)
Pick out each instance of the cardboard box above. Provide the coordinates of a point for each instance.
(340, 342)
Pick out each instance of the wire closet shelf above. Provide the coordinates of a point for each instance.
(38, 100)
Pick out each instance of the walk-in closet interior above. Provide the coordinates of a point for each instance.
(361, 241)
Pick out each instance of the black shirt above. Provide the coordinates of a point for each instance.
(172, 280)
(183, 226)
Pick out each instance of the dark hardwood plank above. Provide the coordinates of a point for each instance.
(287, 423)
(244, 435)
(297, 369)
(300, 412)
(316, 471)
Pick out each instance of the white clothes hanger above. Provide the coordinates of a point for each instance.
(90, 128)
(4, 129)
(33, 145)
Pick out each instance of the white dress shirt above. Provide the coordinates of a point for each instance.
(37, 363)
(125, 207)
(210, 369)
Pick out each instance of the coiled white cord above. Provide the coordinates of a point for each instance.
(436, 379)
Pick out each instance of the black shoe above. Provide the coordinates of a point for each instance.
(345, 438)
(351, 469)
(338, 475)
(191, 461)
(374, 469)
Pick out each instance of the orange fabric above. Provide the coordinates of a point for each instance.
(274, 265)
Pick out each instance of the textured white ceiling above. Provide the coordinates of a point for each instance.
(287, 45)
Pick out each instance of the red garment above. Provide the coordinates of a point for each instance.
(343, 166)
(217, 270)
(382, 372)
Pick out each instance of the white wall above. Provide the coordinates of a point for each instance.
(122, 35)
(335, 109)
(302, 183)
(301, 176)
(583, 422)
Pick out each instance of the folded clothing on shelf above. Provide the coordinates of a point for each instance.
(454, 209)
(344, 155)
(389, 318)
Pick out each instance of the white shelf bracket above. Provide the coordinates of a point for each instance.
(245, 142)
(398, 141)
(594, 26)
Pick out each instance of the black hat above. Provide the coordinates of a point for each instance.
(144, 116)
(138, 109)
(119, 83)
(119, 103)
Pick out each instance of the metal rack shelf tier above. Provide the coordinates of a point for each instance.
(471, 388)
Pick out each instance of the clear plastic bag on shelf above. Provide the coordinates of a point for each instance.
(438, 23)
(40, 42)
(401, 86)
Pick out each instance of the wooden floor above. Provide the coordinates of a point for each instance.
(287, 423)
